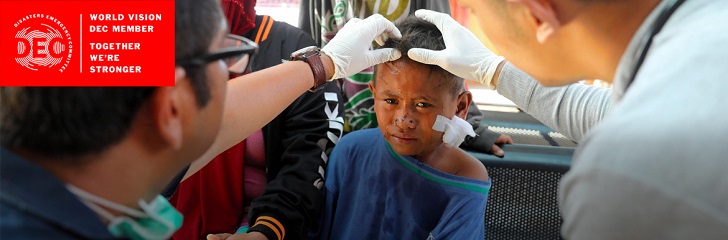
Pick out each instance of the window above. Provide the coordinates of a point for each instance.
(280, 10)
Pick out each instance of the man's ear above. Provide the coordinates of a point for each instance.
(464, 101)
(544, 15)
(166, 105)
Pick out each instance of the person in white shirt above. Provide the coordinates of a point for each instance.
(652, 157)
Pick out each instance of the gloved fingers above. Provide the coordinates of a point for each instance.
(383, 55)
(425, 56)
(381, 25)
(352, 21)
(443, 21)
(381, 39)
(349, 50)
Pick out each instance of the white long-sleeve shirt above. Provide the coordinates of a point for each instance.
(652, 162)
(570, 110)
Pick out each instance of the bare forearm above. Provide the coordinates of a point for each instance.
(254, 100)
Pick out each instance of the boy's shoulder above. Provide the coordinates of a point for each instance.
(359, 143)
(358, 137)
(466, 165)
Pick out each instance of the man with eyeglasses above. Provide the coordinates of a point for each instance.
(89, 163)
(268, 185)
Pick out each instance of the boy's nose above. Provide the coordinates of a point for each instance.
(405, 122)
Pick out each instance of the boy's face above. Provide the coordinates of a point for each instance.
(408, 96)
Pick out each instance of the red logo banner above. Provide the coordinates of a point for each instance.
(87, 43)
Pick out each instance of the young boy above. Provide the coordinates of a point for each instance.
(400, 181)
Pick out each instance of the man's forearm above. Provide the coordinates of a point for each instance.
(571, 110)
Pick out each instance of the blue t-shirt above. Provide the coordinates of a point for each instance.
(374, 193)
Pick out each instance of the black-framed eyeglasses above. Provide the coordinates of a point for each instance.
(237, 52)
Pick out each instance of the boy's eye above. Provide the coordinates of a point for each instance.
(423, 105)
(390, 101)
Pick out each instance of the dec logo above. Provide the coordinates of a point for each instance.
(43, 43)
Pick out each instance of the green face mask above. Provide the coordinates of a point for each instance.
(156, 220)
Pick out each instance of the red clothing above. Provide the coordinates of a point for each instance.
(209, 194)
(240, 15)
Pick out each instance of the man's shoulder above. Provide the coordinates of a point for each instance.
(699, 15)
(615, 175)
(632, 162)
(35, 204)
(689, 58)
(17, 224)
(55, 220)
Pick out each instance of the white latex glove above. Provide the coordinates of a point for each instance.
(464, 55)
(350, 48)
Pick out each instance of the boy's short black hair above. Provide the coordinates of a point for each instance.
(67, 122)
(418, 33)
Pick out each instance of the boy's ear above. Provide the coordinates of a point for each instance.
(373, 88)
(464, 101)
(545, 17)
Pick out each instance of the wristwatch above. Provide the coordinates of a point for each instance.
(312, 56)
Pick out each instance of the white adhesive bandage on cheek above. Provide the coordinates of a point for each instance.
(441, 123)
(455, 130)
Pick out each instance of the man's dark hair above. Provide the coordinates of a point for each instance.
(418, 33)
(66, 122)
(196, 23)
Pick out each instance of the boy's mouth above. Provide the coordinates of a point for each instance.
(403, 139)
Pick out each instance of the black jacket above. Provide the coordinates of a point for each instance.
(297, 141)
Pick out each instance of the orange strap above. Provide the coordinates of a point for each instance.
(267, 29)
(275, 230)
(260, 29)
(265, 25)
(278, 228)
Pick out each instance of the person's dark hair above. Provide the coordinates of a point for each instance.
(418, 33)
(67, 122)
(196, 23)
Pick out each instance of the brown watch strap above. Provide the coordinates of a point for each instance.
(319, 73)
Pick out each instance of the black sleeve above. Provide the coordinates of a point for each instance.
(484, 138)
(309, 129)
